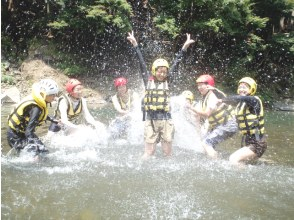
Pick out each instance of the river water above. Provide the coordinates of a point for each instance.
(87, 177)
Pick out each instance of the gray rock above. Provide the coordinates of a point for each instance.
(11, 95)
(286, 105)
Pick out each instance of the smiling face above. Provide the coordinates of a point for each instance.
(77, 92)
(243, 89)
(161, 73)
(202, 88)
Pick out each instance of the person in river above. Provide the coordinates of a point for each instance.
(72, 110)
(220, 116)
(156, 105)
(250, 118)
(124, 102)
(30, 113)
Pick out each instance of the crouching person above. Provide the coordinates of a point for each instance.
(31, 112)
(72, 110)
(250, 118)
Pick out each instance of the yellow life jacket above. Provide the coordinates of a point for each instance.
(248, 121)
(125, 105)
(19, 117)
(157, 96)
(72, 114)
(221, 114)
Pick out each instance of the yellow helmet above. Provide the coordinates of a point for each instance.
(157, 63)
(188, 95)
(251, 82)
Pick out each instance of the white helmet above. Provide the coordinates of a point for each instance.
(49, 86)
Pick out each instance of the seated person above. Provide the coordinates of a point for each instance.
(124, 101)
(72, 110)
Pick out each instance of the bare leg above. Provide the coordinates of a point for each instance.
(149, 150)
(167, 148)
(241, 155)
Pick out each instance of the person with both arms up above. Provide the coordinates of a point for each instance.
(158, 125)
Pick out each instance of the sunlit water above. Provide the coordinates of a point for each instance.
(89, 177)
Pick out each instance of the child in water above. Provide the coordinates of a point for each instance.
(30, 113)
(124, 101)
(158, 125)
(250, 118)
(72, 110)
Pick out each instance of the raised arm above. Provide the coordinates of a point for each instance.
(188, 42)
(179, 57)
(250, 100)
(144, 72)
(132, 39)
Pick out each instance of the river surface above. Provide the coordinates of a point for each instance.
(87, 177)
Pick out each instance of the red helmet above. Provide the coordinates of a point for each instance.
(121, 81)
(71, 84)
(206, 79)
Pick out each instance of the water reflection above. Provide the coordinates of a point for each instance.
(96, 180)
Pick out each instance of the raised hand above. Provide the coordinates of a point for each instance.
(132, 39)
(188, 42)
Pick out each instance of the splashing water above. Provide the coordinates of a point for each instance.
(87, 176)
(187, 134)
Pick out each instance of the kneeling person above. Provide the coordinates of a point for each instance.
(124, 102)
(250, 118)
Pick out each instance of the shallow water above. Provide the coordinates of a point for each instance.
(88, 178)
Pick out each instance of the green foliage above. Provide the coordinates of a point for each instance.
(7, 79)
(255, 43)
(234, 38)
(73, 70)
(214, 24)
(70, 66)
(284, 42)
(58, 24)
(98, 14)
(167, 25)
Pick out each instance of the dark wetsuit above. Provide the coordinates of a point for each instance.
(29, 139)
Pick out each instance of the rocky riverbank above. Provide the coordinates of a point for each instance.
(18, 81)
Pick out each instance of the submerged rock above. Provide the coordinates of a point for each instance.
(286, 105)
